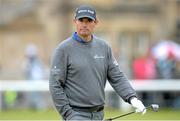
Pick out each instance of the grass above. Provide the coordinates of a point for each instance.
(165, 114)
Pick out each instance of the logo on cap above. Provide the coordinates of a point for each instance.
(89, 11)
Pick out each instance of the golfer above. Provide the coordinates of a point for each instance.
(80, 67)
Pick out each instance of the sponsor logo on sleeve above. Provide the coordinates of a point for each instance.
(55, 70)
(115, 63)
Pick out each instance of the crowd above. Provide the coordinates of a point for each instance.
(161, 62)
(152, 67)
(147, 67)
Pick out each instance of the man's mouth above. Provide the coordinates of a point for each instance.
(84, 29)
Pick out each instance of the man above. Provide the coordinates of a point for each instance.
(80, 67)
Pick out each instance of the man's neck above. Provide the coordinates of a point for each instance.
(86, 38)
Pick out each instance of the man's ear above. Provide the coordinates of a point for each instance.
(96, 21)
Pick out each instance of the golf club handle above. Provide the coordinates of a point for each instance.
(110, 119)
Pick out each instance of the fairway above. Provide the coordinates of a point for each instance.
(165, 114)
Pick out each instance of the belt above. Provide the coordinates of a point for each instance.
(88, 109)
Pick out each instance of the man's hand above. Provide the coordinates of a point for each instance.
(138, 105)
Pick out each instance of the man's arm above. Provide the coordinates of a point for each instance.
(56, 82)
(118, 80)
(121, 84)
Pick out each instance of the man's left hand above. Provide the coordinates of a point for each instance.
(138, 105)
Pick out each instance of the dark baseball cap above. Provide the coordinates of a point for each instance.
(85, 11)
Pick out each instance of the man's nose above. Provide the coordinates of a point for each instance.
(84, 24)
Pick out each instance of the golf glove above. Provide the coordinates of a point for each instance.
(138, 105)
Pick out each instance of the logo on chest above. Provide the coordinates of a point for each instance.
(98, 57)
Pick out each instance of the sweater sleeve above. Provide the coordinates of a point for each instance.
(56, 81)
(117, 79)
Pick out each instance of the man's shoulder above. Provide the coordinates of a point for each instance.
(100, 41)
(65, 43)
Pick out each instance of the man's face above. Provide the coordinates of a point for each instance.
(85, 26)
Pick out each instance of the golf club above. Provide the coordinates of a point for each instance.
(154, 107)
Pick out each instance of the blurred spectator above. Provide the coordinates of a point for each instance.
(34, 72)
(166, 67)
(144, 67)
(10, 99)
(167, 52)
(34, 67)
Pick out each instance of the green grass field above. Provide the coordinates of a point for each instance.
(163, 114)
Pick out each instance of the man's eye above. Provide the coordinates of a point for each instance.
(81, 19)
(90, 20)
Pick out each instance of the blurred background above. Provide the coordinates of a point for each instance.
(144, 36)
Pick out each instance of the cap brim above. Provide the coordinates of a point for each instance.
(86, 16)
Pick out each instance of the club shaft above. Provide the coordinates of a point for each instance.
(110, 119)
(121, 115)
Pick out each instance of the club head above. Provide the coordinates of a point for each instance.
(155, 107)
